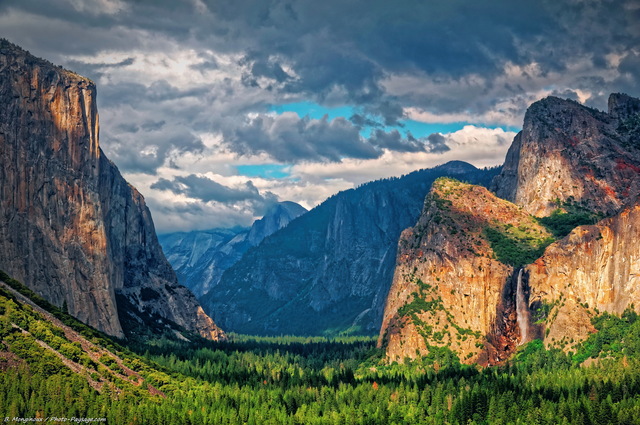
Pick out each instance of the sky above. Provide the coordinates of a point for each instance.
(216, 109)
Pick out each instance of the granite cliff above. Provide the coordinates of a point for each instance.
(71, 228)
(201, 257)
(453, 283)
(594, 269)
(481, 275)
(329, 270)
(568, 152)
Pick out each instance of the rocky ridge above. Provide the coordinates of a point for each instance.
(568, 152)
(329, 270)
(201, 257)
(71, 228)
(568, 163)
(449, 288)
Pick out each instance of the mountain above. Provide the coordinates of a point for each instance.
(71, 228)
(330, 269)
(452, 285)
(525, 277)
(200, 257)
(568, 152)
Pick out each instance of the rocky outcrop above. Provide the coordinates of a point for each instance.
(568, 152)
(71, 228)
(201, 257)
(329, 270)
(451, 288)
(594, 269)
(571, 160)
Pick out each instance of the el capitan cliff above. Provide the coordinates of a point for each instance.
(71, 228)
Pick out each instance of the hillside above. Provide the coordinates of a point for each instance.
(329, 270)
(520, 276)
(452, 285)
(55, 368)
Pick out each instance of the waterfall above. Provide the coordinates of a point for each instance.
(521, 309)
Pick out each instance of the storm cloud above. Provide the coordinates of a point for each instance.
(207, 190)
(188, 87)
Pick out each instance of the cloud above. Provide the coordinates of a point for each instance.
(185, 88)
(289, 138)
(207, 190)
(146, 154)
(394, 141)
(438, 143)
(479, 146)
(193, 201)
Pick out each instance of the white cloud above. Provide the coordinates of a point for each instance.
(310, 183)
(99, 7)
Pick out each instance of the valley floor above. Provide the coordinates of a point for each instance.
(54, 367)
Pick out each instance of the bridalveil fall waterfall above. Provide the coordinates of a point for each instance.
(521, 309)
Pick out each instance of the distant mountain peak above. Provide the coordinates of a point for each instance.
(276, 217)
(201, 257)
(456, 167)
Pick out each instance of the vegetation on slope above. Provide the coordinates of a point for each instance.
(567, 217)
(290, 380)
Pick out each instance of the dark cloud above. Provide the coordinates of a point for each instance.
(437, 143)
(337, 50)
(135, 154)
(96, 70)
(288, 138)
(136, 93)
(207, 190)
(361, 120)
(394, 141)
(153, 125)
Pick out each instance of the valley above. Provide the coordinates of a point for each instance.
(300, 380)
(448, 295)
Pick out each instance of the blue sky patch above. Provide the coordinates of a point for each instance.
(417, 128)
(267, 171)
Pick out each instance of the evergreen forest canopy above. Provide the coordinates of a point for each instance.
(48, 372)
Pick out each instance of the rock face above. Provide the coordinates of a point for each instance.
(329, 270)
(568, 152)
(593, 159)
(567, 158)
(449, 290)
(201, 257)
(594, 267)
(71, 228)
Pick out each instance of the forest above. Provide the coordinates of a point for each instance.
(55, 367)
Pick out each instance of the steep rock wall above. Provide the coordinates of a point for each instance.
(568, 152)
(71, 227)
(594, 269)
(449, 290)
